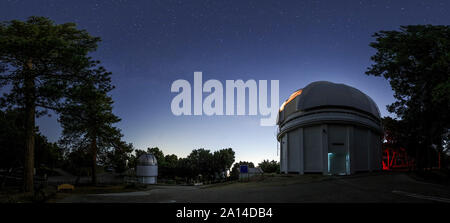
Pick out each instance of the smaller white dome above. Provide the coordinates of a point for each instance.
(147, 160)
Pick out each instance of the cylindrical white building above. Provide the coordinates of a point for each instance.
(147, 169)
(331, 129)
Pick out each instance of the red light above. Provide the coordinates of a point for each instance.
(396, 158)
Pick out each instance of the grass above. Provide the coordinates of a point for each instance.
(14, 195)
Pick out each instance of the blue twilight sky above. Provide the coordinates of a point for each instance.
(149, 44)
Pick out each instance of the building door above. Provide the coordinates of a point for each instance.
(338, 157)
(338, 162)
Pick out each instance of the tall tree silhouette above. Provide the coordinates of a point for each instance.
(39, 60)
(223, 160)
(87, 118)
(416, 62)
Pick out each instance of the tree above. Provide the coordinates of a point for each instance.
(185, 168)
(415, 60)
(134, 158)
(223, 159)
(87, 118)
(47, 154)
(120, 156)
(12, 130)
(170, 166)
(159, 155)
(161, 159)
(269, 166)
(77, 162)
(39, 60)
(201, 161)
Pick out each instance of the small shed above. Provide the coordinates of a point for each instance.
(251, 172)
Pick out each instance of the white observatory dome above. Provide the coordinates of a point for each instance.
(147, 169)
(324, 93)
(147, 160)
(329, 128)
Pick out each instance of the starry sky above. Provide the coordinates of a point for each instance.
(149, 44)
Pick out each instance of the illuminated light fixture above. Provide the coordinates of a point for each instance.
(293, 95)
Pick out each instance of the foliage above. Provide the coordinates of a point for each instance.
(170, 166)
(134, 158)
(200, 164)
(416, 62)
(185, 169)
(269, 166)
(12, 130)
(78, 162)
(87, 118)
(119, 157)
(222, 160)
(51, 55)
(158, 154)
(39, 60)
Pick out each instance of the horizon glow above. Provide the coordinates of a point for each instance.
(147, 45)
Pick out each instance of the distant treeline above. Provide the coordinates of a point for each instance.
(203, 165)
(199, 165)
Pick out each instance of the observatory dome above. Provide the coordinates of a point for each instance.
(330, 128)
(147, 160)
(327, 94)
(147, 169)
(330, 102)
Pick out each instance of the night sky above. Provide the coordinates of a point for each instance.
(149, 44)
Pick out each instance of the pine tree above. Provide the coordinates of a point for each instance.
(87, 118)
(39, 60)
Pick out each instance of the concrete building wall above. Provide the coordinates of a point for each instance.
(294, 151)
(361, 152)
(283, 154)
(313, 160)
(376, 151)
(344, 149)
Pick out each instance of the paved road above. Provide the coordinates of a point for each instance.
(378, 187)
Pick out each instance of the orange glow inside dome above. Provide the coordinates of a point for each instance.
(293, 95)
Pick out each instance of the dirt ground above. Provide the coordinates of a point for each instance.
(367, 188)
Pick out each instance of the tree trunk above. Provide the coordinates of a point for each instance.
(94, 159)
(30, 109)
